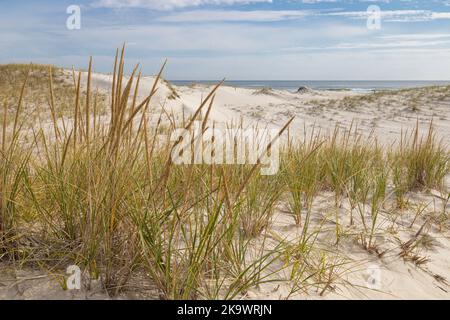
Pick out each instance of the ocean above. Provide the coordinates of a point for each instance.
(363, 86)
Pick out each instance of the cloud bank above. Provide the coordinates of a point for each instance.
(163, 5)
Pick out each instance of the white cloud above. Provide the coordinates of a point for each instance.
(169, 4)
(396, 15)
(318, 1)
(387, 45)
(416, 36)
(441, 15)
(231, 15)
(280, 15)
(313, 49)
(410, 64)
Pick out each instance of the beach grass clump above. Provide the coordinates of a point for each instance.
(179, 250)
(109, 200)
(85, 201)
(349, 158)
(370, 219)
(82, 188)
(349, 165)
(302, 173)
(261, 195)
(420, 162)
(14, 165)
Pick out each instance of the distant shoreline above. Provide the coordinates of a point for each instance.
(293, 85)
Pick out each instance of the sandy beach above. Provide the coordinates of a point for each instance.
(386, 113)
(411, 258)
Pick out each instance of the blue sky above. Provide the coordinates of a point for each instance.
(237, 39)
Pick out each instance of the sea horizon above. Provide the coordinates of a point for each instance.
(294, 85)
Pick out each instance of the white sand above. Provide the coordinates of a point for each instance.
(388, 115)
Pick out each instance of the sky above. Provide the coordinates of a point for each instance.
(237, 39)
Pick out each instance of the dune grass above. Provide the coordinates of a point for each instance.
(106, 196)
(423, 161)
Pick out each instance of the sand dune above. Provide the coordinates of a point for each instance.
(390, 271)
(387, 113)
